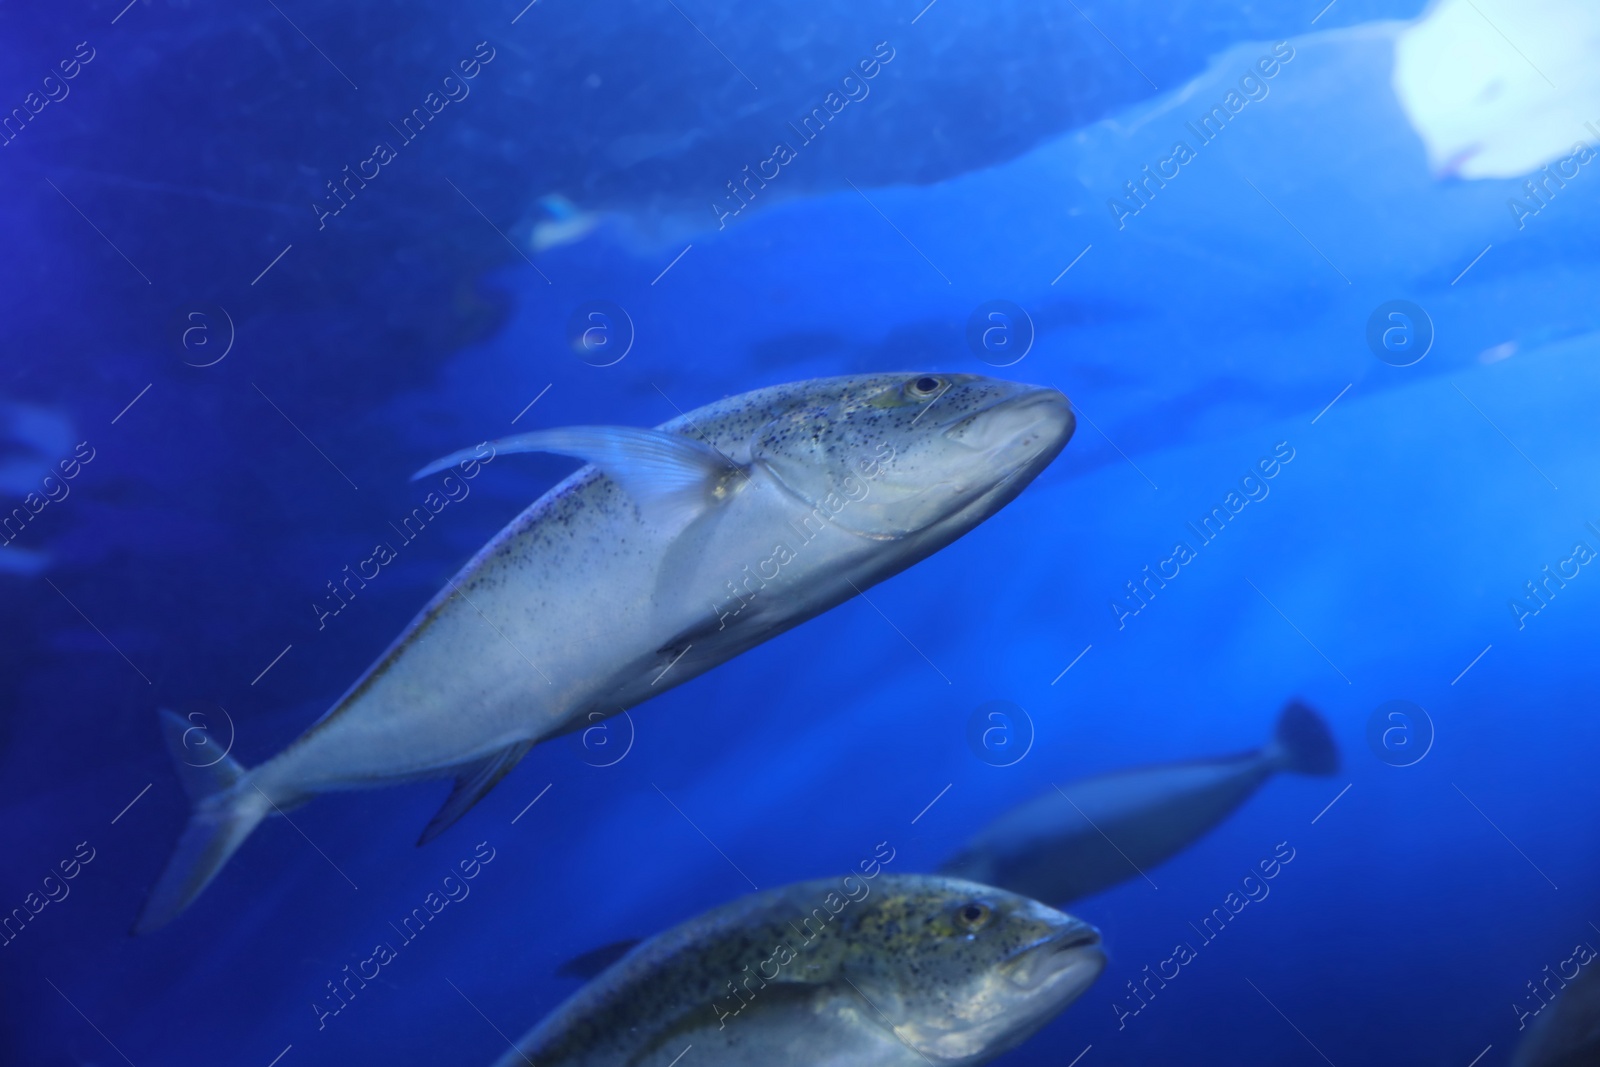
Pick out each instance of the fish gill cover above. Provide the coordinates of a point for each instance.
(1317, 279)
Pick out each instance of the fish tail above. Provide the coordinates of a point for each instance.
(227, 807)
(1303, 743)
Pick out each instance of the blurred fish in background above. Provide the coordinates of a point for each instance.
(1087, 836)
(36, 446)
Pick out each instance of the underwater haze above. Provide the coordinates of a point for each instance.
(1318, 281)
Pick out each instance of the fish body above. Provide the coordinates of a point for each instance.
(37, 465)
(1079, 839)
(675, 550)
(891, 971)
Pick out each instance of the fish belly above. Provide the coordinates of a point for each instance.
(513, 649)
(823, 1031)
(579, 606)
(1117, 828)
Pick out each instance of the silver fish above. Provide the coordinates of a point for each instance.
(900, 971)
(674, 550)
(1077, 840)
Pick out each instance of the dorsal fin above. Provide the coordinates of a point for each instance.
(591, 963)
(673, 479)
(475, 780)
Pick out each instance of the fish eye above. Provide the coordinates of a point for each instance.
(924, 387)
(972, 915)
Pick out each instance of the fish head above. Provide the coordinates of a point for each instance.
(892, 455)
(963, 971)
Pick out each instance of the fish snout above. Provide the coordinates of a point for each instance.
(1034, 419)
(1072, 952)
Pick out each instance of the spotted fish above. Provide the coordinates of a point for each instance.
(897, 971)
(672, 551)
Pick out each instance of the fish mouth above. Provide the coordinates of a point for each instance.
(1028, 423)
(1069, 957)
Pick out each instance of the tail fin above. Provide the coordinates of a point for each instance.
(226, 808)
(1303, 743)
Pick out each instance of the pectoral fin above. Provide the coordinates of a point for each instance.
(673, 479)
(474, 781)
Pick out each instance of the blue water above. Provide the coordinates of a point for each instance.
(180, 565)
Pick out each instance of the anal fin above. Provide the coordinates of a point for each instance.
(474, 781)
